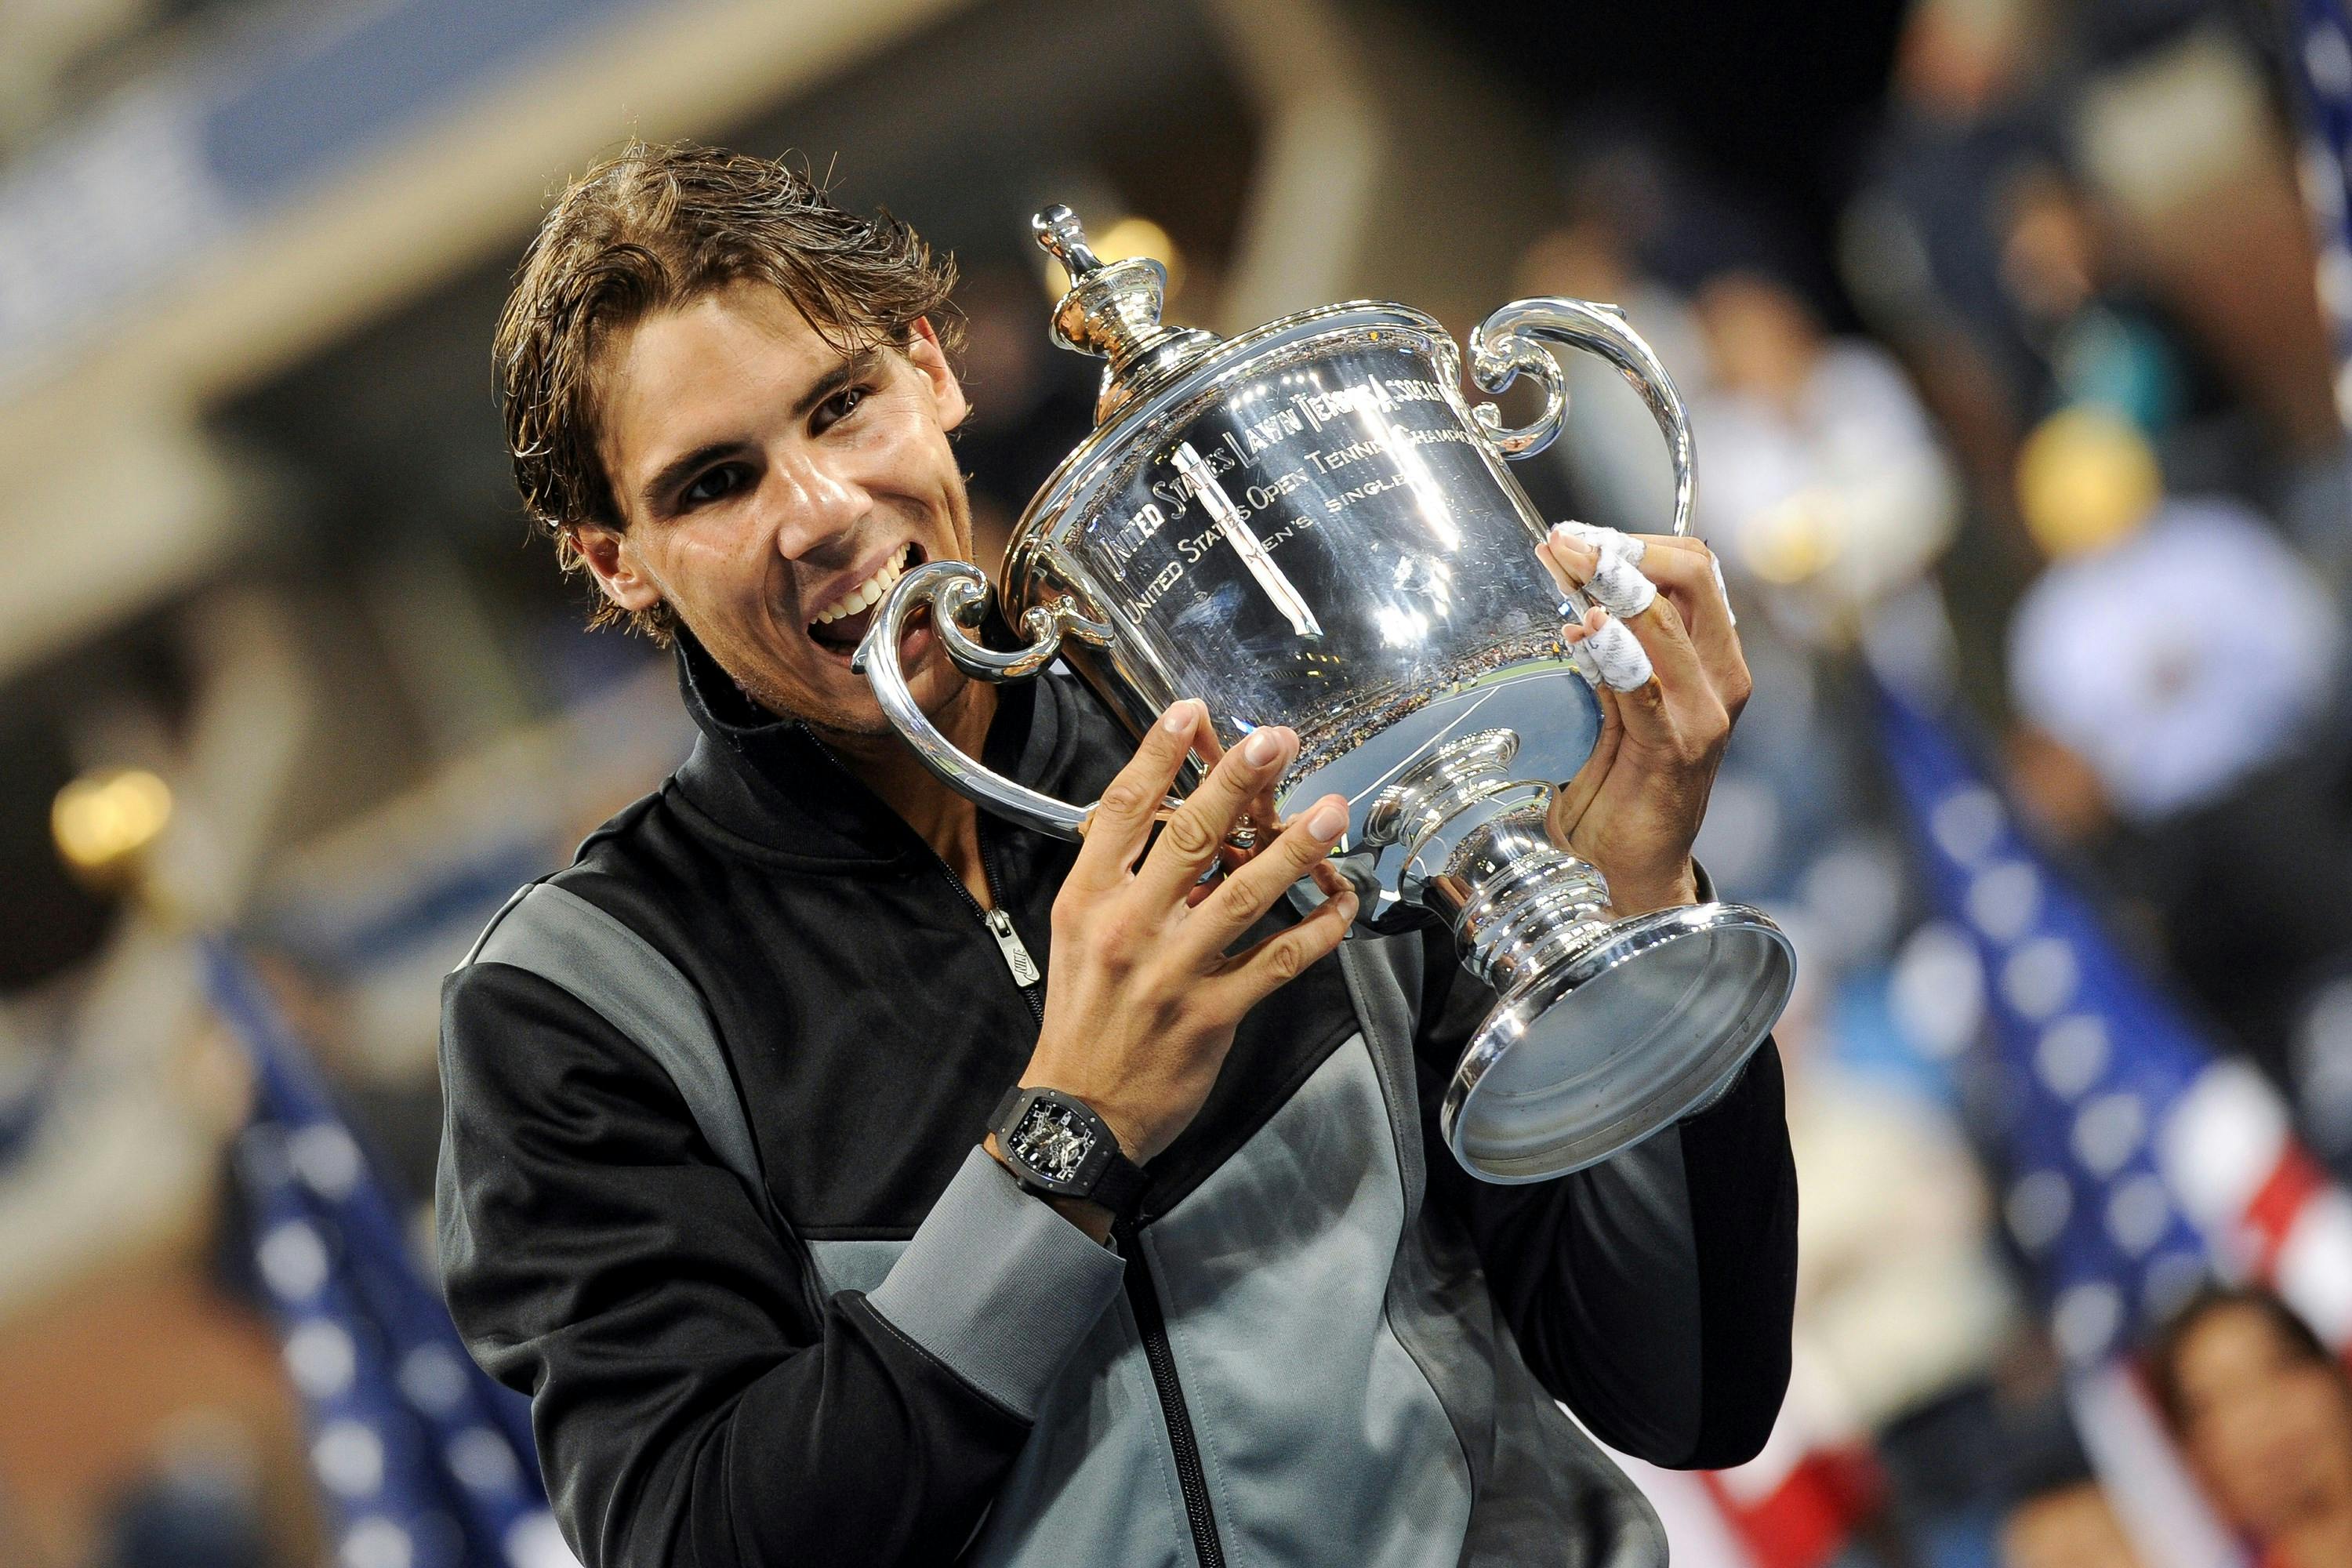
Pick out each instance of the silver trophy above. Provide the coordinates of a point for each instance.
(1307, 525)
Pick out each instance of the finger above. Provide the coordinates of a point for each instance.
(1657, 624)
(1115, 831)
(1190, 838)
(1604, 563)
(1691, 574)
(1646, 707)
(1266, 966)
(1262, 821)
(1249, 892)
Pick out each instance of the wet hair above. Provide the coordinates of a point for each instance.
(656, 227)
(2165, 1350)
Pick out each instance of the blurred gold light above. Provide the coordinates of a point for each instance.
(1128, 238)
(2085, 477)
(1794, 539)
(102, 821)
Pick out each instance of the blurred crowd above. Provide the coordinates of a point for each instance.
(2052, 437)
(2047, 435)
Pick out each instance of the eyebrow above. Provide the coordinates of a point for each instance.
(857, 367)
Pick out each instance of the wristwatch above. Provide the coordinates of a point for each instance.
(1056, 1146)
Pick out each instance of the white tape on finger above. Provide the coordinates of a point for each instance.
(1729, 614)
(1581, 657)
(1619, 587)
(1595, 537)
(1617, 584)
(1618, 654)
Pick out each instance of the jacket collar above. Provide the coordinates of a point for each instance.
(770, 780)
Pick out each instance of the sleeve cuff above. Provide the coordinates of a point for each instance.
(998, 1287)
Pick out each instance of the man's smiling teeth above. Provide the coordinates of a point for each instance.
(866, 593)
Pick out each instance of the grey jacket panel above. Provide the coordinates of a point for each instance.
(1321, 1440)
(1519, 1440)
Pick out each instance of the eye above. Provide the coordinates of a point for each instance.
(839, 406)
(712, 484)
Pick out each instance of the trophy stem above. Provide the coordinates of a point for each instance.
(1605, 1030)
(1517, 903)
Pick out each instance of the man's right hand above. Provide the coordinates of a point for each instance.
(1144, 997)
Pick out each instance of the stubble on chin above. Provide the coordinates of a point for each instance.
(826, 719)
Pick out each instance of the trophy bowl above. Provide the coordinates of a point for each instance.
(1308, 525)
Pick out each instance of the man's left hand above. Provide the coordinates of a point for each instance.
(1634, 808)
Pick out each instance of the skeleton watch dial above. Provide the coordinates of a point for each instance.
(1054, 1142)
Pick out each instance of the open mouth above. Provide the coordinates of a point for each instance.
(841, 626)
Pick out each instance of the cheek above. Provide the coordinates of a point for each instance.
(720, 559)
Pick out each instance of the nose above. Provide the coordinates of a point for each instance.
(820, 503)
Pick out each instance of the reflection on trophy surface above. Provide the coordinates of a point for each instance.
(1307, 525)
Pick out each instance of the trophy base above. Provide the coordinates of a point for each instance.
(1588, 1056)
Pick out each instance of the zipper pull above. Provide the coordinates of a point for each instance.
(1008, 943)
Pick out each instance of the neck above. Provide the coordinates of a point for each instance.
(943, 819)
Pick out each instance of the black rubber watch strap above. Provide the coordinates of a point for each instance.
(1112, 1180)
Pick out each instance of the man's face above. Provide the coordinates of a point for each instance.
(772, 487)
(2269, 1429)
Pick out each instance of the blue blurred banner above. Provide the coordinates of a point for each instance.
(2140, 1162)
(423, 1461)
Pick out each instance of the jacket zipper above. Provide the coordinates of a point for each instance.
(1151, 1323)
(1009, 945)
(1142, 1295)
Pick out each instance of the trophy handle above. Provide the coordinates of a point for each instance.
(1506, 343)
(956, 591)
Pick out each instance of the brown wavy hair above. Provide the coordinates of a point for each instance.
(652, 227)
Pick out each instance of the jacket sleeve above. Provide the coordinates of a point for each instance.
(694, 1405)
(1652, 1292)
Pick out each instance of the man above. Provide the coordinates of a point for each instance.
(2262, 1412)
(788, 1305)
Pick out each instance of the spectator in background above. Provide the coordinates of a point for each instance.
(2263, 1413)
(1919, 252)
(1825, 480)
(1623, 191)
(2105, 658)
(1900, 1299)
(2100, 338)
(2058, 1515)
(2174, 668)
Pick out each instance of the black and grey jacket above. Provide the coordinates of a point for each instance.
(710, 1194)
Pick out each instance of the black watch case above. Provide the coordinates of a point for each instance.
(1054, 1142)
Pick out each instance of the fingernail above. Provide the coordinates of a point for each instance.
(1180, 717)
(1325, 822)
(1262, 748)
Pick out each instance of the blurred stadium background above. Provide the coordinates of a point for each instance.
(2022, 439)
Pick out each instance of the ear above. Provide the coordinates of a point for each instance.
(619, 572)
(923, 351)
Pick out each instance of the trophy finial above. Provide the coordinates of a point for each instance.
(1063, 238)
(1112, 310)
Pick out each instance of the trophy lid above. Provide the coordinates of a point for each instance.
(1112, 310)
